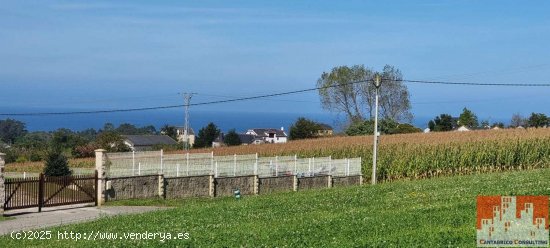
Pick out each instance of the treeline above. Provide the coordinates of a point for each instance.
(20, 145)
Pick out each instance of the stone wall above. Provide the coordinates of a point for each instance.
(224, 186)
(181, 187)
(346, 181)
(275, 184)
(2, 197)
(313, 182)
(121, 188)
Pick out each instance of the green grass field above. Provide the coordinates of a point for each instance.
(438, 212)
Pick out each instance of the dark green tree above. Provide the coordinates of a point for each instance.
(404, 128)
(468, 119)
(538, 120)
(170, 131)
(11, 129)
(304, 129)
(385, 126)
(112, 142)
(441, 123)
(232, 138)
(206, 136)
(56, 163)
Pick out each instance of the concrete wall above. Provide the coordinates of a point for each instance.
(275, 184)
(313, 182)
(346, 181)
(132, 187)
(224, 186)
(180, 187)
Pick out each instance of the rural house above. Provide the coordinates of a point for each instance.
(180, 132)
(268, 135)
(325, 130)
(146, 142)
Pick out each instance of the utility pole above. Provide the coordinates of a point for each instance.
(374, 154)
(187, 102)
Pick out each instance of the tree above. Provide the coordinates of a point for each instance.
(467, 118)
(112, 142)
(303, 129)
(232, 138)
(206, 136)
(441, 123)
(171, 131)
(385, 126)
(498, 124)
(56, 163)
(11, 129)
(518, 120)
(538, 120)
(485, 124)
(404, 128)
(338, 93)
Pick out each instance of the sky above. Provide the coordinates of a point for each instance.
(97, 55)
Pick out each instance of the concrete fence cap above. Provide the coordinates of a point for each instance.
(100, 150)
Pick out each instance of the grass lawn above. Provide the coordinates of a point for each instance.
(437, 212)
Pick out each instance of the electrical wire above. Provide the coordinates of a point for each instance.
(271, 95)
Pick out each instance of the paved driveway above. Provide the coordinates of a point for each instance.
(28, 219)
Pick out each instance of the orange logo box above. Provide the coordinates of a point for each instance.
(512, 221)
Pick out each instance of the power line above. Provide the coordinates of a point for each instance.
(270, 95)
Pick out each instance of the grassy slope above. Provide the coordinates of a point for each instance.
(429, 213)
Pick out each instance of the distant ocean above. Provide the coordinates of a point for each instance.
(225, 120)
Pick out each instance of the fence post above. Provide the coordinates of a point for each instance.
(235, 165)
(187, 162)
(276, 166)
(313, 165)
(216, 170)
(329, 177)
(139, 169)
(2, 190)
(295, 164)
(347, 169)
(101, 167)
(177, 170)
(40, 192)
(161, 161)
(295, 183)
(133, 163)
(330, 165)
(256, 165)
(212, 162)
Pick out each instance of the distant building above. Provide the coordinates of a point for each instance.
(268, 135)
(219, 141)
(247, 139)
(146, 142)
(427, 130)
(495, 128)
(325, 130)
(180, 131)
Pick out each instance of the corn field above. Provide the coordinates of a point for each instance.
(414, 156)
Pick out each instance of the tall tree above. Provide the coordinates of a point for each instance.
(538, 120)
(11, 129)
(56, 163)
(206, 136)
(339, 93)
(467, 118)
(232, 138)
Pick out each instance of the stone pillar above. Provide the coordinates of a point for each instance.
(2, 197)
(100, 166)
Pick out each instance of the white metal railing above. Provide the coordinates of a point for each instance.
(196, 164)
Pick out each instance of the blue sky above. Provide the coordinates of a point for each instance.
(125, 54)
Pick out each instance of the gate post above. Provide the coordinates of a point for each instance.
(40, 192)
(100, 163)
(2, 191)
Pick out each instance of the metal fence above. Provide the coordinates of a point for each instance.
(197, 164)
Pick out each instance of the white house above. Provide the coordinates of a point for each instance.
(268, 135)
(427, 130)
(463, 129)
(180, 131)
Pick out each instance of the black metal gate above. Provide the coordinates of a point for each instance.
(45, 191)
